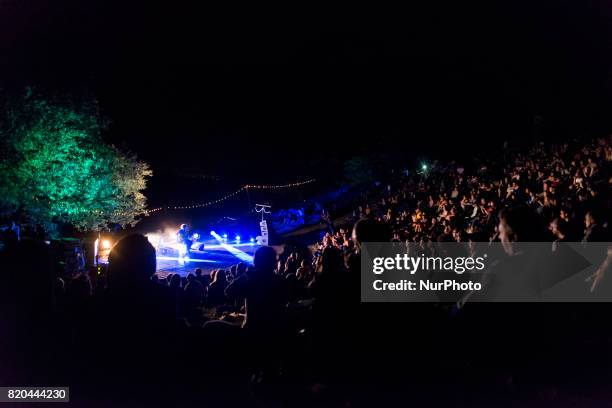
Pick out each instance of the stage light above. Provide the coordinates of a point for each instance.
(424, 167)
(106, 244)
(196, 236)
(213, 233)
(237, 238)
(252, 240)
(225, 236)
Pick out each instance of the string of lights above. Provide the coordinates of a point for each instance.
(277, 186)
(230, 195)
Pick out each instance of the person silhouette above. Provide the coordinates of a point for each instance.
(183, 238)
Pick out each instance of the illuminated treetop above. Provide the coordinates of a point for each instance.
(57, 169)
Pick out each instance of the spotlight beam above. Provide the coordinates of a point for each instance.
(243, 256)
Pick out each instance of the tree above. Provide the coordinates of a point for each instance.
(364, 169)
(56, 169)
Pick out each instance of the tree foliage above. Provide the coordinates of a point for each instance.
(364, 169)
(56, 169)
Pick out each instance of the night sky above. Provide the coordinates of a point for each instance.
(275, 95)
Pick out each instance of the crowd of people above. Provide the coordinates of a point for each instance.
(295, 318)
(449, 202)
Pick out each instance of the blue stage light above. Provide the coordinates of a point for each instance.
(213, 233)
(243, 256)
(237, 238)
(225, 236)
(252, 240)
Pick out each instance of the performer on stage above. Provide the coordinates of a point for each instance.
(183, 237)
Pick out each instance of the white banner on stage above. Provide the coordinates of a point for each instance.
(263, 239)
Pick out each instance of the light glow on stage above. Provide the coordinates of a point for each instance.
(155, 239)
(243, 256)
(175, 258)
(215, 247)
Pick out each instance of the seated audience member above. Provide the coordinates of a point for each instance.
(264, 294)
(594, 230)
(216, 289)
(194, 292)
(203, 279)
(136, 310)
(304, 273)
(263, 291)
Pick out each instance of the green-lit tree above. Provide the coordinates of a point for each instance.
(56, 169)
(364, 169)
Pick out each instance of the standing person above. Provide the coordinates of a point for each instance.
(183, 238)
(16, 230)
(327, 220)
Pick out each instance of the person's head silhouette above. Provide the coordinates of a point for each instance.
(131, 262)
(265, 260)
(370, 230)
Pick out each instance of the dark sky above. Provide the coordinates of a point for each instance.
(257, 94)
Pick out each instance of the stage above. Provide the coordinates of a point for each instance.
(208, 261)
(207, 255)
